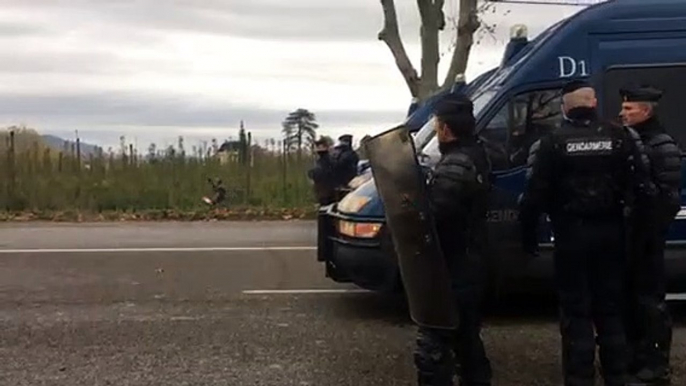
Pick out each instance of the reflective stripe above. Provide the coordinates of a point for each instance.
(681, 214)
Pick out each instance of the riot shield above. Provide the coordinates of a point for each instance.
(401, 186)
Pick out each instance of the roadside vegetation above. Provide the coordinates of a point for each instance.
(262, 181)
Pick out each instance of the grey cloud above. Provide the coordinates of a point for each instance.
(140, 23)
(74, 63)
(15, 30)
(313, 20)
(152, 110)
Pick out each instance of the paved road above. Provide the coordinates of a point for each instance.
(158, 234)
(122, 314)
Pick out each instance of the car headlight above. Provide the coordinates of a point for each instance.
(352, 203)
(364, 230)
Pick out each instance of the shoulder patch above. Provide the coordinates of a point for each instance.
(588, 146)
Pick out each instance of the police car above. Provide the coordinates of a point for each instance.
(515, 104)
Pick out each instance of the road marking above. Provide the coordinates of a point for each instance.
(305, 291)
(676, 296)
(129, 250)
(360, 291)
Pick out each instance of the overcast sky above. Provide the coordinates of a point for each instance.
(156, 69)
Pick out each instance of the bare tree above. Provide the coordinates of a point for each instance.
(433, 20)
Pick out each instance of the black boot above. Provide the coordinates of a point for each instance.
(614, 359)
(578, 351)
(433, 358)
(654, 350)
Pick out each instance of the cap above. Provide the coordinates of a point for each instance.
(454, 104)
(643, 93)
(574, 85)
(346, 137)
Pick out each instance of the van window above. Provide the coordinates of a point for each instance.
(515, 127)
(518, 124)
(424, 134)
(534, 114)
(671, 79)
(431, 147)
(494, 135)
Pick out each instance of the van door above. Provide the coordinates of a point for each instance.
(518, 122)
(671, 79)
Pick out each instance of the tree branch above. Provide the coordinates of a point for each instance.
(441, 14)
(430, 46)
(468, 23)
(391, 36)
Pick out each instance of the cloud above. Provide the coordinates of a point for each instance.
(256, 19)
(14, 30)
(103, 118)
(152, 69)
(130, 109)
(295, 20)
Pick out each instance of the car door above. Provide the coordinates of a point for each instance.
(520, 121)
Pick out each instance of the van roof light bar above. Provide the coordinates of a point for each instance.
(519, 31)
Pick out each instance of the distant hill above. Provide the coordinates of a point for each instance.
(58, 143)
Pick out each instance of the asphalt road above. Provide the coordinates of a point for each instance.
(198, 304)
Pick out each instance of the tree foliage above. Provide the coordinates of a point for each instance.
(300, 130)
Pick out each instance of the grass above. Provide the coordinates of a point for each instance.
(38, 182)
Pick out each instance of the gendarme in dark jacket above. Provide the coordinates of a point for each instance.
(649, 325)
(458, 191)
(345, 160)
(584, 175)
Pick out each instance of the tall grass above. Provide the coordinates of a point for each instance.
(36, 177)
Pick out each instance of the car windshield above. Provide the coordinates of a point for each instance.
(430, 147)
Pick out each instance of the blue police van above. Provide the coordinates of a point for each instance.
(610, 44)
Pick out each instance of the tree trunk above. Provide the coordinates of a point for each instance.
(433, 21)
(300, 140)
(431, 12)
(391, 36)
(467, 24)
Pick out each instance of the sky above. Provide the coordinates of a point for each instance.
(153, 70)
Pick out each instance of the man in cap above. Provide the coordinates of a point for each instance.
(458, 191)
(322, 174)
(649, 326)
(346, 160)
(582, 175)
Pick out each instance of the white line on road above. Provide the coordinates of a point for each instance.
(679, 297)
(128, 250)
(304, 291)
(360, 291)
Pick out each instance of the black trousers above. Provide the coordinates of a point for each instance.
(439, 353)
(589, 272)
(648, 322)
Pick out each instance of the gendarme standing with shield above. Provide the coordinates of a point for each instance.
(438, 226)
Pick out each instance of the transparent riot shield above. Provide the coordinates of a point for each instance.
(402, 188)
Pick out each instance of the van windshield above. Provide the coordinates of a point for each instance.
(424, 134)
(430, 147)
